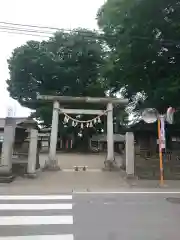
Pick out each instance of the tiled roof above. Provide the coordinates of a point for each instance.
(103, 138)
(16, 119)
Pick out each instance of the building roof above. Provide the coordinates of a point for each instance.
(17, 120)
(103, 138)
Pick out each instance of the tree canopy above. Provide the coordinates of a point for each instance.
(143, 37)
(66, 64)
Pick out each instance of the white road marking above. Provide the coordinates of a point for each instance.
(108, 203)
(35, 197)
(35, 220)
(159, 192)
(40, 237)
(34, 206)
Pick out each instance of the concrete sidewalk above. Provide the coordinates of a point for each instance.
(63, 182)
(170, 184)
(56, 182)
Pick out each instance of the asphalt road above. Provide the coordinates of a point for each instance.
(126, 216)
(106, 216)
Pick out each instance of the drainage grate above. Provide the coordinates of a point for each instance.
(173, 200)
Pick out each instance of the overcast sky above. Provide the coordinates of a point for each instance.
(54, 13)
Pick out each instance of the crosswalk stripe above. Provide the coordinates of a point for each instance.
(55, 206)
(40, 237)
(35, 220)
(34, 217)
(35, 197)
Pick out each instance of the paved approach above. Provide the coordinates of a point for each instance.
(97, 216)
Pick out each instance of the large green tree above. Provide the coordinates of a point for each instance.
(66, 64)
(143, 37)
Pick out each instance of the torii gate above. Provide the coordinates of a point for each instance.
(52, 162)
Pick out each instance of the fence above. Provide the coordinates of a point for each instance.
(147, 164)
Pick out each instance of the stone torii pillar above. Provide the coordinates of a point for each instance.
(110, 133)
(52, 162)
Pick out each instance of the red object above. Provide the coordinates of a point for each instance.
(66, 144)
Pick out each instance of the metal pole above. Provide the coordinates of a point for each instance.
(160, 154)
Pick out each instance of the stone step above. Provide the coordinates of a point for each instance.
(4, 178)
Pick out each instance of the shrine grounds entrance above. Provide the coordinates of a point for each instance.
(91, 161)
(56, 161)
